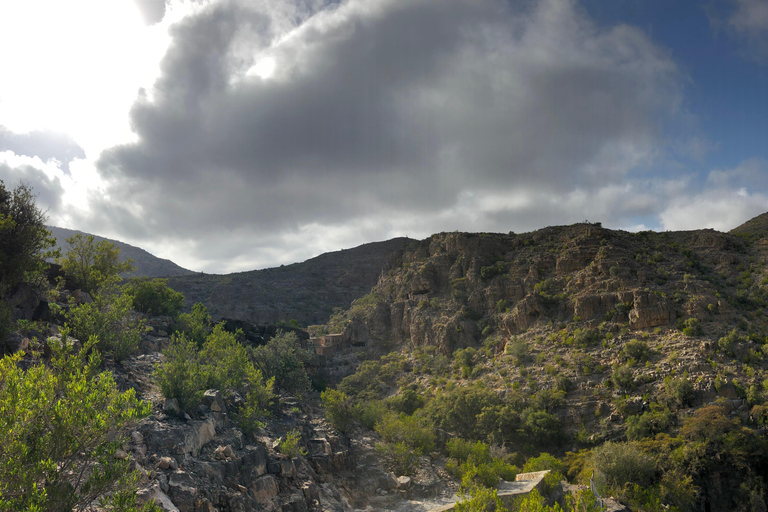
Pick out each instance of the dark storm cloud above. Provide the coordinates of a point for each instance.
(382, 108)
(43, 144)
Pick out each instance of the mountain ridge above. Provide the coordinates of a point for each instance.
(147, 264)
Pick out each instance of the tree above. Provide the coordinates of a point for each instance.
(154, 296)
(60, 428)
(93, 265)
(24, 240)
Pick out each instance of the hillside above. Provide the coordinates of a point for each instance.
(307, 291)
(569, 337)
(754, 228)
(147, 265)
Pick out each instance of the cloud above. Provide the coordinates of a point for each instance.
(746, 20)
(44, 144)
(45, 179)
(381, 117)
(152, 11)
(728, 198)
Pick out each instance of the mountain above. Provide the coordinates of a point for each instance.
(307, 291)
(146, 264)
(754, 228)
(613, 350)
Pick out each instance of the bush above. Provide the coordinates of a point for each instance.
(259, 395)
(692, 327)
(679, 391)
(585, 337)
(637, 350)
(728, 343)
(290, 445)
(457, 410)
(400, 428)
(402, 459)
(59, 431)
(543, 462)
(467, 451)
(339, 409)
(649, 424)
(407, 401)
(154, 297)
(109, 318)
(93, 265)
(543, 428)
(222, 364)
(195, 325)
(618, 464)
(623, 378)
(182, 376)
(372, 413)
(284, 359)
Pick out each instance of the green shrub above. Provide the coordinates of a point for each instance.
(637, 350)
(154, 297)
(109, 318)
(413, 431)
(678, 391)
(93, 265)
(543, 428)
(494, 270)
(225, 361)
(259, 395)
(457, 410)
(365, 383)
(195, 325)
(290, 445)
(222, 364)
(402, 458)
(467, 451)
(182, 376)
(58, 424)
(284, 359)
(339, 409)
(480, 499)
(618, 464)
(649, 424)
(371, 413)
(548, 399)
(692, 327)
(584, 338)
(407, 401)
(623, 378)
(543, 462)
(730, 342)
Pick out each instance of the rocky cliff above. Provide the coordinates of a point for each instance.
(454, 289)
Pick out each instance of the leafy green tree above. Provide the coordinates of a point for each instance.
(93, 265)
(285, 359)
(154, 296)
(60, 429)
(25, 242)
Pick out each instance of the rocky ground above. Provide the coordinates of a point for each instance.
(204, 463)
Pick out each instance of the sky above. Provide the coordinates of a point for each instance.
(231, 135)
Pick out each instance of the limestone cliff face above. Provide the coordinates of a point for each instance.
(453, 289)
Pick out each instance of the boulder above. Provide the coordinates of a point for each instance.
(265, 488)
